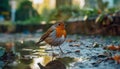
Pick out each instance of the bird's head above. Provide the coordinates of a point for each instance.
(59, 25)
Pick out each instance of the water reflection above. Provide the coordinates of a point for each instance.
(28, 56)
(42, 60)
(47, 62)
(55, 64)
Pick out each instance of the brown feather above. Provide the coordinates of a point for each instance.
(44, 36)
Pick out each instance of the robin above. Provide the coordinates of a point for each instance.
(55, 35)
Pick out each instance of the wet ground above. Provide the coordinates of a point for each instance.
(80, 52)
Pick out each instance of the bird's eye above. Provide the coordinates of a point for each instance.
(59, 24)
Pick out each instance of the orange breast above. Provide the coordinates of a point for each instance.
(60, 32)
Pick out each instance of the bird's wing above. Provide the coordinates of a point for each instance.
(45, 35)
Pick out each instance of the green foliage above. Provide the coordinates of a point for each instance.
(111, 10)
(102, 5)
(25, 11)
(5, 8)
(61, 13)
(66, 12)
(27, 15)
(89, 12)
(32, 20)
(100, 18)
(108, 11)
(10, 27)
(4, 5)
(45, 14)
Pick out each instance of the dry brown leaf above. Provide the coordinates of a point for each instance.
(116, 58)
(77, 51)
(70, 40)
(112, 47)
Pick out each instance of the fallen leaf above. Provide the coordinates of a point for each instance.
(76, 45)
(95, 64)
(95, 45)
(73, 45)
(112, 47)
(116, 58)
(77, 51)
(70, 40)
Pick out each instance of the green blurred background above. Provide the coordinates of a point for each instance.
(92, 13)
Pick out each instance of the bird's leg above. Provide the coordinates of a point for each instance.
(53, 54)
(52, 48)
(61, 50)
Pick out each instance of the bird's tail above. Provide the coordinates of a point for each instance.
(38, 42)
(41, 67)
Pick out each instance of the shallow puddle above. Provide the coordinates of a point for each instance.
(80, 52)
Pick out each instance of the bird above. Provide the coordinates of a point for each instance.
(55, 35)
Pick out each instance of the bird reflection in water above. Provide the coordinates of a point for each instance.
(47, 62)
(55, 64)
